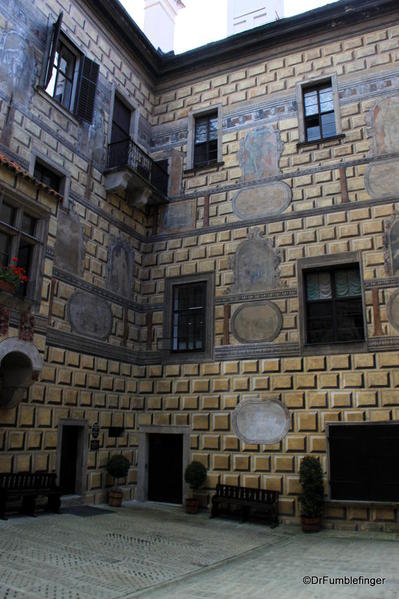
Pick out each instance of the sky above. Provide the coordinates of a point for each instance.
(204, 21)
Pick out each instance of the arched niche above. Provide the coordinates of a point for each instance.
(20, 365)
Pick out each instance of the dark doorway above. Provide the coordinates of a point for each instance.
(69, 458)
(363, 462)
(165, 468)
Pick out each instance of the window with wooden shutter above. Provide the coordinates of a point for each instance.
(68, 75)
(86, 89)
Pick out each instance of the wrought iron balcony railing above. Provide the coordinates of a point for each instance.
(127, 153)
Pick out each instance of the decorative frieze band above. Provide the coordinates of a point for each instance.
(256, 350)
(272, 294)
(85, 345)
(75, 281)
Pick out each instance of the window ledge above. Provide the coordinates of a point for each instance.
(334, 348)
(203, 167)
(170, 357)
(361, 502)
(15, 302)
(43, 94)
(318, 142)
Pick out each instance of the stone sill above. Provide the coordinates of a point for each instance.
(57, 105)
(203, 167)
(14, 302)
(360, 503)
(318, 142)
(339, 348)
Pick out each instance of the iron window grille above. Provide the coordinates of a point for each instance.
(319, 114)
(334, 308)
(206, 139)
(188, 317)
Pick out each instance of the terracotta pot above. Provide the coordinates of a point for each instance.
(311, 524)
(115, 497)
(8, 287)
(192, 505)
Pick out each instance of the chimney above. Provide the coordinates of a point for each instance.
(159, 22)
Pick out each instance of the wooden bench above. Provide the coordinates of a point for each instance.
(29, 487)
(247, 500)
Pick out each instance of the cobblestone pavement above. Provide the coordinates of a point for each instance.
(160, 552)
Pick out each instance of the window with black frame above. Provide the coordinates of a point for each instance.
(206, 139)
(19, 242)
(188, 317)
(62, 84)
(334, 308)
(47, 176)
(319, 114)
(68, 75)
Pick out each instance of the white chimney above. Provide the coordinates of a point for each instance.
(159, 22)
(246, 14)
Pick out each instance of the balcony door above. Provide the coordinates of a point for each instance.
(120, 134)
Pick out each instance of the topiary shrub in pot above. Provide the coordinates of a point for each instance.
(312, 496)
(195, 476)
(117, 467)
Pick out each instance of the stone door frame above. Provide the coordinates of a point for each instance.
(143, 456)
(82, 452)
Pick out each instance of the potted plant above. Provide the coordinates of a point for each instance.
(312, 496)
(12, 276)
(195, 476)
(117, 467)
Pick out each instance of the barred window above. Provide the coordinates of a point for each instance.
(188, 317)
(206, 139)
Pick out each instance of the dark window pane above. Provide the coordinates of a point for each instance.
(46, 176)
(5, 242)
(205, 139)
(24, 260)
(188, 319)
(349, 317)
(28, 224)
(7, 214)
(334, 309)
(313, 133)
(328, 125)
(320, 324)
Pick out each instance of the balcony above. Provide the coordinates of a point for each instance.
(132, 173)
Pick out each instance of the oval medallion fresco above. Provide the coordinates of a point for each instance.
(382, 179)
(263, 421)
(89, 315)
(257, 322)
(262, 200)
(393, 310)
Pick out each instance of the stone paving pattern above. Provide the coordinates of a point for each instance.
(160, 552)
